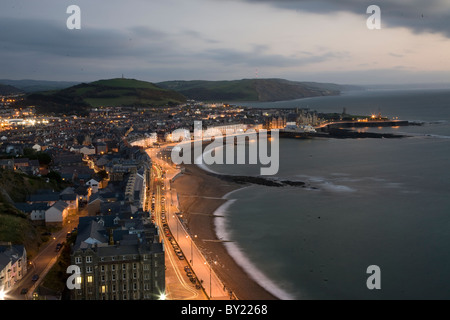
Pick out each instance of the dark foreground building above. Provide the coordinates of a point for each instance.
(120, 258)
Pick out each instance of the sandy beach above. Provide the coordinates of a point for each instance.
(200, 194)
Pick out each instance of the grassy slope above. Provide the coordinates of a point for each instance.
(80, 98)
(123, 92)
(15, 227)
(250, 89)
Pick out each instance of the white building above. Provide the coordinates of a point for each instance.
(94, 184)
(57, 213)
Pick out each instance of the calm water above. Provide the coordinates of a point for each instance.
(383, 202)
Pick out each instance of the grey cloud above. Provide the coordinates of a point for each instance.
(259, 58)
(43, 37)
(417, 15)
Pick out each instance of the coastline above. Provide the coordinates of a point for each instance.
(200, 197)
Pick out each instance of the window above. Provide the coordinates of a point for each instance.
(124, 266)
(103, 289)
(113, 277)
(89, 259)
(124, 277)
(134, 266)
(102, 268)
(113, 267)
(78, 260)
(89, 279)
(89, 269)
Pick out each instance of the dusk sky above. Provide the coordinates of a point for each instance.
(158, 40)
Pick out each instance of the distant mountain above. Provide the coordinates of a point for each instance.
(113, 92)
(38, 85)
(7, 89)
(251, 89)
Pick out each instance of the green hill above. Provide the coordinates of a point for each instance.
(251, 89)
(7, 90)
(80, 98)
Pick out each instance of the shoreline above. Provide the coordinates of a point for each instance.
(201, 195)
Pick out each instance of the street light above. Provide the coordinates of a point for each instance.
(192, 240)
(209, 262)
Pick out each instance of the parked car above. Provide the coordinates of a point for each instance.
(35, 277)
(24, 291)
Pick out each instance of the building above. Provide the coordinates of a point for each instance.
(13, 265)
(93, 184)
(120, 258)
(57, 213)
(36, 211)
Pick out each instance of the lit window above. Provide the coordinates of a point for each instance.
(89, 279)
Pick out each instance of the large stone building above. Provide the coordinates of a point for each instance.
(120, 258)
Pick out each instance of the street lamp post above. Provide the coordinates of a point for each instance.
(192, 253)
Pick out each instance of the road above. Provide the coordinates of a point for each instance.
(42, 262)
(193, 257)
(178, 284)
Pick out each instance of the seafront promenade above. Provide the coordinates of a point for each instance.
(201, 266)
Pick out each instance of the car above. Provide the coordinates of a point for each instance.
(180, 256)
(35, 277)
(189, 274)
(24, 291)
(187, 269)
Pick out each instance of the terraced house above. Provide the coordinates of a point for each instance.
(120, 257)
(13, 265)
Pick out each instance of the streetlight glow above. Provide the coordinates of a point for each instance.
(163, 296)
(2, 295)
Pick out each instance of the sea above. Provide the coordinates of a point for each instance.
(368, 202)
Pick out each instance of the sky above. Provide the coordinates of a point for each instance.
(160, 40)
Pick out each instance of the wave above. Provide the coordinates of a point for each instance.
(324, 184)
(438, 136)
(202, 165)
(222, 232)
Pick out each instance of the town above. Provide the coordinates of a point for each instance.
(87, 188)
